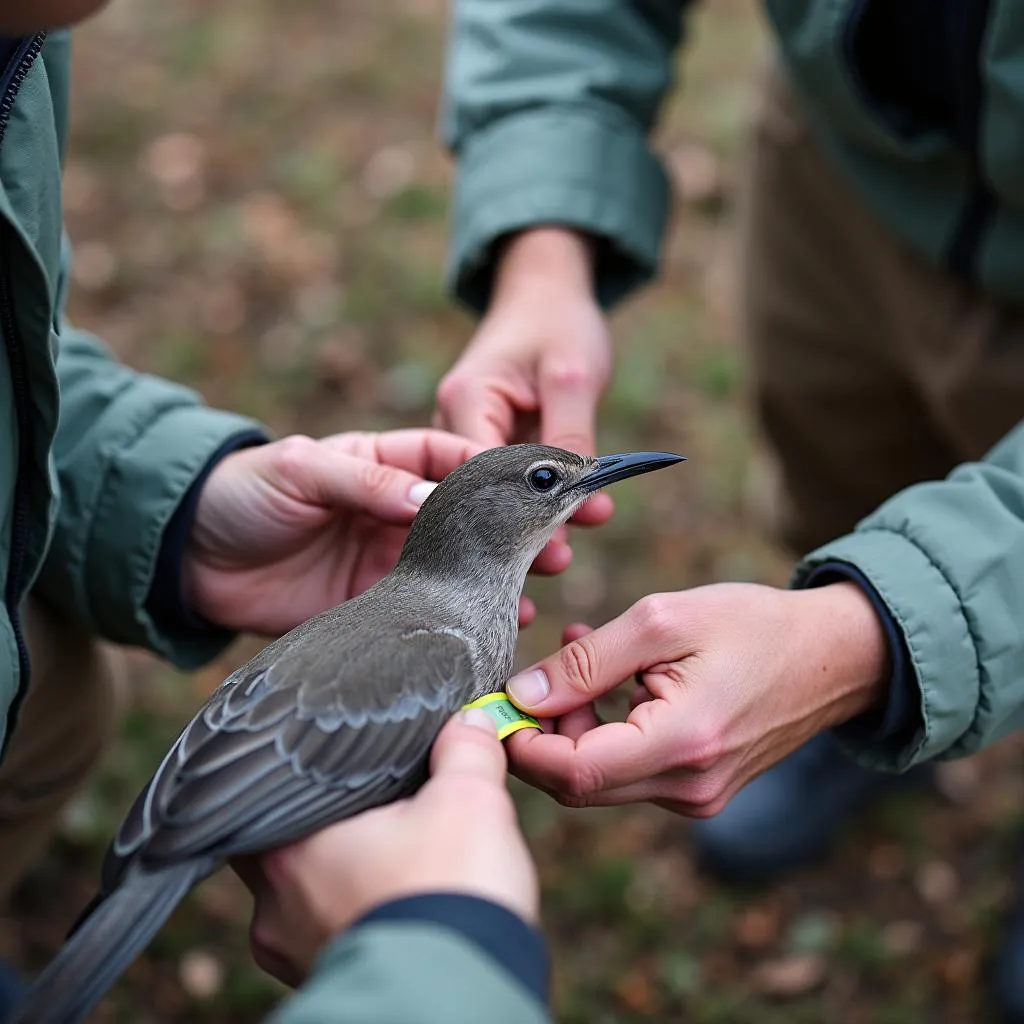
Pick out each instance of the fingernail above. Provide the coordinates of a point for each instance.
(419, 493)
(529, 689)
(479, 719)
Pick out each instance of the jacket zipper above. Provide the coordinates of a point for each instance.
(19, 66)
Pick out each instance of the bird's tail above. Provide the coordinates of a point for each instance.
(105, 943)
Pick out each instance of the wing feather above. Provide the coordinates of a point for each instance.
(289, 744)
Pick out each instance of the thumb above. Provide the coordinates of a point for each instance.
(469, 745)
(587, 667)
(568, 408)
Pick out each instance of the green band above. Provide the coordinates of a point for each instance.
(506, 715)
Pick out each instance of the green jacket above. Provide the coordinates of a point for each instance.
(548, 109)
(95, 460)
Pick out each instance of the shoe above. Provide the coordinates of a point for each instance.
(1008, 983)
(12, 988)
(788, 816)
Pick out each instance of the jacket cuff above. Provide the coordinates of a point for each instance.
(493, 929)
(584, 169)
(900, 719)
(163, 463)
(928, 613)
(166, 602)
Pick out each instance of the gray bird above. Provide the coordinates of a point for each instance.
(337, 716)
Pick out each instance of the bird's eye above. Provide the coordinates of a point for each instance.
(543, 478)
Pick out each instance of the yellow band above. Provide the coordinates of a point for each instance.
(506, 715)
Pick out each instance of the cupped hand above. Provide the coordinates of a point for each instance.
(285, 530)
(730, 679)
(540, 360)
(458, 834)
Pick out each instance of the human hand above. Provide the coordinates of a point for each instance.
(458, 834)
(731, 678)
(286, 530)
(539, 361)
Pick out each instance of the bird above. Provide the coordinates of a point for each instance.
(336, 716)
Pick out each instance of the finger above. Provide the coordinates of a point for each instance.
(555, 557)
(699, 796)
(593, 664)
(475, 411)
(320, 475)
(527, 612)
(431, 454)
(574, 631)
(263, 940)
(609, 757)
(640, 695)
(595, 511)
(568, 407)
(577, 722)
(469, 745)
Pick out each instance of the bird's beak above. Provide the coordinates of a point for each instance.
(610, 468)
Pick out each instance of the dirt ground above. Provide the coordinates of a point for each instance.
(259, 203)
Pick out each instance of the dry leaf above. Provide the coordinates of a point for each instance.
(789, 976)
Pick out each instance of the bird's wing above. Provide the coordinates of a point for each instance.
(294, 741)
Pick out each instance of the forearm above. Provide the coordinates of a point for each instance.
(548, 108)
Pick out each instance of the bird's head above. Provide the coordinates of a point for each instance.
(505, 503)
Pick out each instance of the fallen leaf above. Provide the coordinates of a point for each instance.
(201, 974)
(789, 976)
(388, 171)
(886, 861)
(757, 927)
(902, 937)
(936, 882)
(94, 265)
(637, 992)
(958, 781)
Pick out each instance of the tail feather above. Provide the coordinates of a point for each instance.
(105, 943)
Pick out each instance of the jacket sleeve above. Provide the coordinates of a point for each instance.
(947, 559)
(547, 108)
(128, 448)
(436, 959)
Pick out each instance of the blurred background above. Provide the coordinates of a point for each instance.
(259, 204)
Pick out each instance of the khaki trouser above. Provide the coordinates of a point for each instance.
(871, 370)
(65, 723)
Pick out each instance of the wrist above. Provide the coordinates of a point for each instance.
(848, 650)
(172, 596)
(545, 259)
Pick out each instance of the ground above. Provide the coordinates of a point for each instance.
(259, 203)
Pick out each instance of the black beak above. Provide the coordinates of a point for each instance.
(610, 468)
